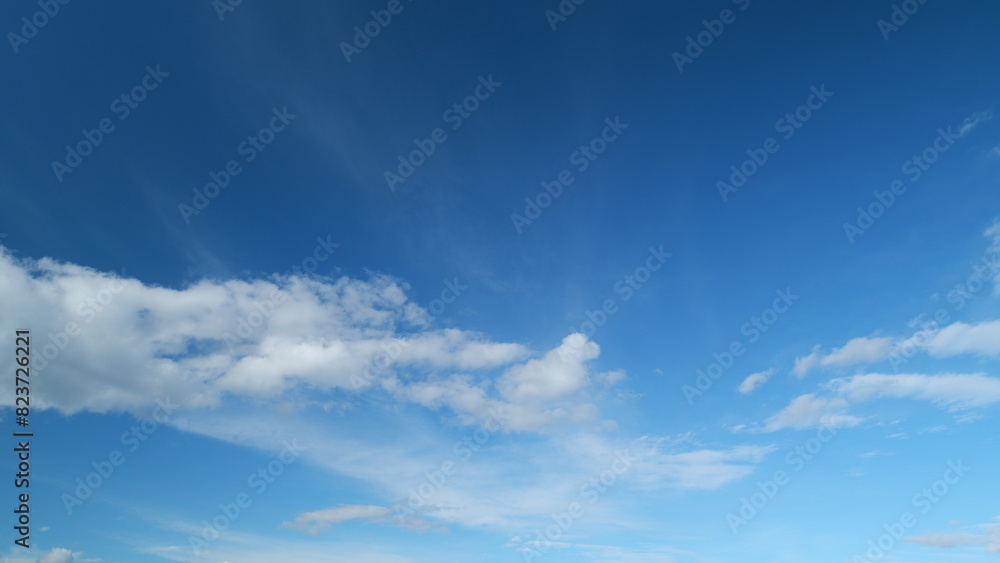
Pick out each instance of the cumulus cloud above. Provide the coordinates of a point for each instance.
(57, 555)
(560, 372)
(109, 343)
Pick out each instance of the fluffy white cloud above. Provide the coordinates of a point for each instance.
(106, 343)
(755, 380)
(217, 342)
(57, 555)
(560, 372)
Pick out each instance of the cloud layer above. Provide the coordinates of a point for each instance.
(108, 343)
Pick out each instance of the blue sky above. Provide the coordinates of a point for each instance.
(504, 282)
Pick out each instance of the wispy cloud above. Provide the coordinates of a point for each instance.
(986, 535)
(318, 520)
(971, 123)
(955, 392)
(856, 351)
(755, 380)
(810, 411)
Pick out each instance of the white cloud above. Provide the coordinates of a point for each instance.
(856, 351)
(809, 411)
(805, 364)
(952, 391)
(610, 378)
(993, 234)
(57, 555)
(319, 520)
(560, 372)
(267, 549)
(958, 338)
(944, 540)
(755, 380)
(267, 339)
(149, 342)
(971, 123)
(876, 453)
(981, 339)
(988, 536)
(958, 391)
(658, 466)
(859, 350)
(109, 344)
(598, 553)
